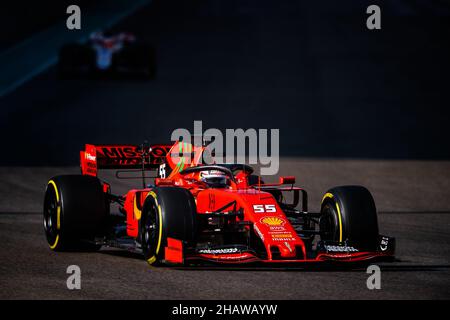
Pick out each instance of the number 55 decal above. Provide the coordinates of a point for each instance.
(162, 171)
(261, 208)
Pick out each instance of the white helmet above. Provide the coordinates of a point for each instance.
(214, 178)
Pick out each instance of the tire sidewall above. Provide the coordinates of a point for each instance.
(83, 210)
(176, 212)
(357, 211)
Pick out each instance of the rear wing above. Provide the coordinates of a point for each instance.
(95, 157)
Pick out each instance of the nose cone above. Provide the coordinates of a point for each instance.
(281, 240)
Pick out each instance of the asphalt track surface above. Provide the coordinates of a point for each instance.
(353, 107)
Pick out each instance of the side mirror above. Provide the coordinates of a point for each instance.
(287, 180)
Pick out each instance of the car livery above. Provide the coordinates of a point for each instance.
(192, 213)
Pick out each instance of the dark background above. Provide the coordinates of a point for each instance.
(21, 19)
(310, 68)
(335, 89)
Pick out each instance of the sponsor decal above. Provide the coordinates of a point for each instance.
(384, 243)
(280, 232)
(120, 152)
(130, 155)
(273, 221)
(283, 239)
(219, 251)
(340, 249)
(90, 157)
(283, 236)
(237, 257)
(273, 228)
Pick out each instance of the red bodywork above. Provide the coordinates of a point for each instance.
(260, 208)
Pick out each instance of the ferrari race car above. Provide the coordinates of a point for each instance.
(107, 54)
(194, 213)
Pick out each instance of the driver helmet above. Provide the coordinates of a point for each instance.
(214, 178)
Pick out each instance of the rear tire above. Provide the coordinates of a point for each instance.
(167, 212)
(75, 211)
(348, 214)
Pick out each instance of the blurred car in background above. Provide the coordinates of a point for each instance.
(107, 54)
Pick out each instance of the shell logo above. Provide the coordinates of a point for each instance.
(272, 221)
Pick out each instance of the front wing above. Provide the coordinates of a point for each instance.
(175, 253)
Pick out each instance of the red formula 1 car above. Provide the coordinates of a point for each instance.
(195, 213)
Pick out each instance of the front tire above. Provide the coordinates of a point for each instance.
(167, 212)
(348, 214)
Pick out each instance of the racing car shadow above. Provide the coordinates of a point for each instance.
(395, 265)
(122, 253)
(324, 268)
